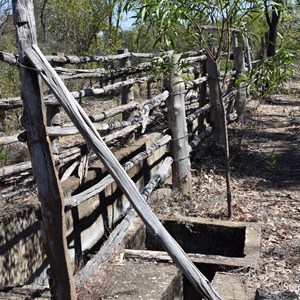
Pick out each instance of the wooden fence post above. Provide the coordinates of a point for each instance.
(219, 121)
(53, 115)
(54, 119)
(49, 190)
(181, 173)
(235, 41)
(248, 52)
(89, 132)
(127, 94)
(149, 89)
(217, 111)
(202, 99)
(241, 97)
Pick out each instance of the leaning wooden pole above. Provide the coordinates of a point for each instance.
(89, 132)
(49, 190)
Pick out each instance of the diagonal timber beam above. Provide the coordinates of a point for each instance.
(87, 129)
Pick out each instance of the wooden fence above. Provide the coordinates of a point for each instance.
(176, 112)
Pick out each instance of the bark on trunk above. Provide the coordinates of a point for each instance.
(272, 21)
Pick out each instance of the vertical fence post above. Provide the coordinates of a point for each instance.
(202, 99)
(181, 173)
(148, 89)
(54, 119)
(127, 94)
(248, 53)
(240, 103)
(49, 190)
(235, 41)
(53, 116)
(217, 112)
(219, 121)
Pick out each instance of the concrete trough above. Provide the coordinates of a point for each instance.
(213, 245)
(22, 259)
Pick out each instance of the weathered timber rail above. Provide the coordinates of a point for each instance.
(136, 131)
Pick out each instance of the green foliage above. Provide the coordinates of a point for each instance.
(170, 18)
(270, 75)
(271, 161)
(3, 154)
(9, 76)
(142, 39)
(72, 26)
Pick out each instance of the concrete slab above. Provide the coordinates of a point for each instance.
(231, 287)
(22, 259)
(136, 279)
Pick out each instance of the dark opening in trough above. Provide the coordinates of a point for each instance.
(203, 238)
(213, 246)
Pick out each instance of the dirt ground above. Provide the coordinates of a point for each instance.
(265, 173)
(265, 182)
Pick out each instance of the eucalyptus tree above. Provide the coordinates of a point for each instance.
(72, 26)
(170, 17)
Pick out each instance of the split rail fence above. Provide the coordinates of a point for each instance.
(176, 112)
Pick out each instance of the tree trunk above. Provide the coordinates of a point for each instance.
(222, 134)
(272, 23)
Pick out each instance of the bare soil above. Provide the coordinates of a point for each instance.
(265, 171)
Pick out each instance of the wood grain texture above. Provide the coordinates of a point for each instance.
(117, 235)
(179, 131)
(85, 126)
(49, 190)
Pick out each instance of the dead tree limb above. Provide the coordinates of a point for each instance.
(85, 126)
